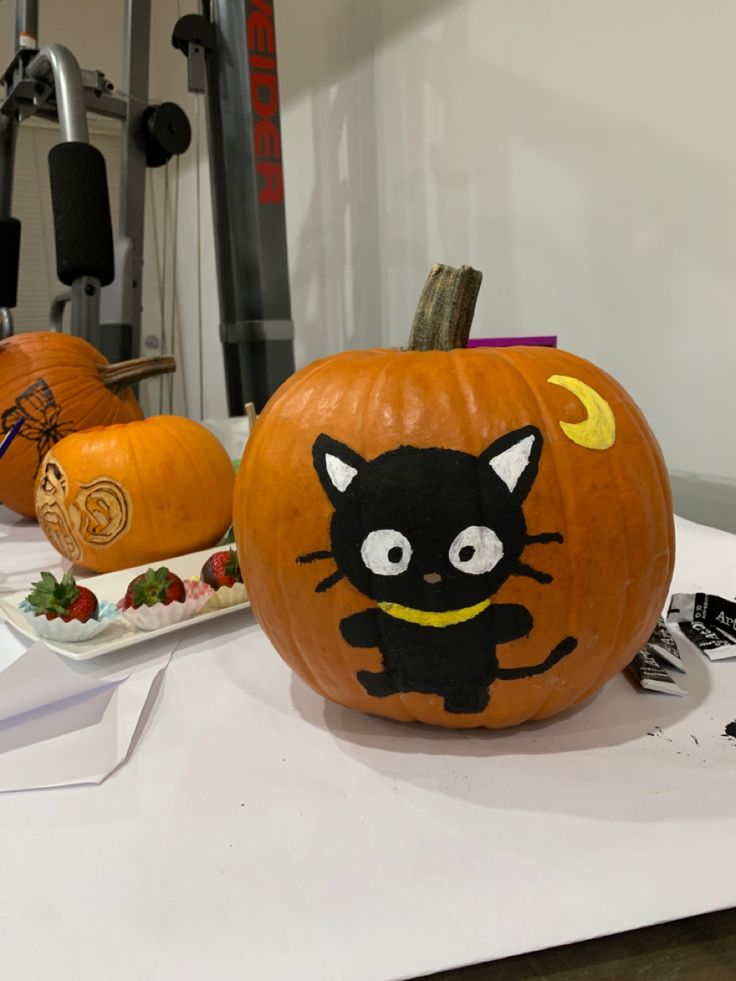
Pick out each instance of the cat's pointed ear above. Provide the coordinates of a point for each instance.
(515, 459)
(336, 465)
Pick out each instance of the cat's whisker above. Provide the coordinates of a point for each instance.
(522, 569)
(313, 556)
(329, 581)
(545, 538)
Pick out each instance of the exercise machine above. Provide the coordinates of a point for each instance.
(104, 277)
(231, 55)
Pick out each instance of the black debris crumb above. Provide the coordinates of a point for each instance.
(730, 730)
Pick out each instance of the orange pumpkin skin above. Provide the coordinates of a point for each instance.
(118, 496)
(52, 380)
(612, 507)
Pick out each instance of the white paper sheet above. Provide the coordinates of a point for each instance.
(62, 725)
(260, 831)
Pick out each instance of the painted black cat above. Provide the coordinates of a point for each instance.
(430, 535)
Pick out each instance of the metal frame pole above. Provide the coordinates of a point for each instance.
(26, 23)
(133, 171)
(58, 61)
(248, 201)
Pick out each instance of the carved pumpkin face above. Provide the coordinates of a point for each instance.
(468, 537)
(117, 496)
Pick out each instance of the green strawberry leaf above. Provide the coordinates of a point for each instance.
(232, 568)
(49, 596)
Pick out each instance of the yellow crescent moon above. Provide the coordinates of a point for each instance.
(598, 431)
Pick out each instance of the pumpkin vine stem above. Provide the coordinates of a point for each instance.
(444, 313)
(119, 376)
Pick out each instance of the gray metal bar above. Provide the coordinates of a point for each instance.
(133, 158)
(86, 309)
(26, 23)
(6, 323)
(257, 330)
(8, 135)
(248, 200)
(56, 313)
(61, 63)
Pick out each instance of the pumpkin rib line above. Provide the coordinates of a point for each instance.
(141, 484)
(186, 454)
(665, 494)
(256, 447)
(624, 605)
(546, 413)
(377, 385)
(635, 418)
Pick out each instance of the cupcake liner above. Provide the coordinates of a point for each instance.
(226, 596)
(73, 632)
(162, 615)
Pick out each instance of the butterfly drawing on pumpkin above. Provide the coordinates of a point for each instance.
(430, 535)
(37, 406)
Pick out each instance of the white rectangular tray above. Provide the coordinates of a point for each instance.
(111, 586)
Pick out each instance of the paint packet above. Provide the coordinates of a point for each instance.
(664, 647)
(649, 673)
(682, 607)
(707, 621)
(715, 645)
(715, 612)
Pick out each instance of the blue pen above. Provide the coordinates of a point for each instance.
(12, 433)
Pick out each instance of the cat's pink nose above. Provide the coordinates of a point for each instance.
(433, 577)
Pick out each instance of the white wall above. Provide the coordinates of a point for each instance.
(581, 153)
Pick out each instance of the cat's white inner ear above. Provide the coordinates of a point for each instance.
(511, 463)
(340, 473)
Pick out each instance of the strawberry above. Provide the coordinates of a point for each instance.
(154, 586)
(222, 569)
(63, 599)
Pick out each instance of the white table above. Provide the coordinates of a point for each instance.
(260, 832)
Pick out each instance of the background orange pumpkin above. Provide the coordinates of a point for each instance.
(111, 497)
(60, 384)
(609, 501)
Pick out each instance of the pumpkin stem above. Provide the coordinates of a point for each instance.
(445, 310)
(127, 373)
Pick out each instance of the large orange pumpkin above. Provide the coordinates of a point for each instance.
(462, 537)
(117, 496)
(58, 384)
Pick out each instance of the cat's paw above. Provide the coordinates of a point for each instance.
(359, 630)
(378, 684)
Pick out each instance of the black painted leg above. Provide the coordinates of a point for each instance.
(377, 683)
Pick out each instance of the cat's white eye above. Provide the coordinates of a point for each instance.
(386, 552)
(476, 550)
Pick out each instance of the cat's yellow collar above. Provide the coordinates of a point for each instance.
(428, 618)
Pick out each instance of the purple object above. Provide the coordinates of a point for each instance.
(550, 341)
(12, 433)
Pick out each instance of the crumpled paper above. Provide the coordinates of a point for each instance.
(65, 723)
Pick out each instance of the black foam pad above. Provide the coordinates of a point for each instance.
(10, 252)
(81, 205)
